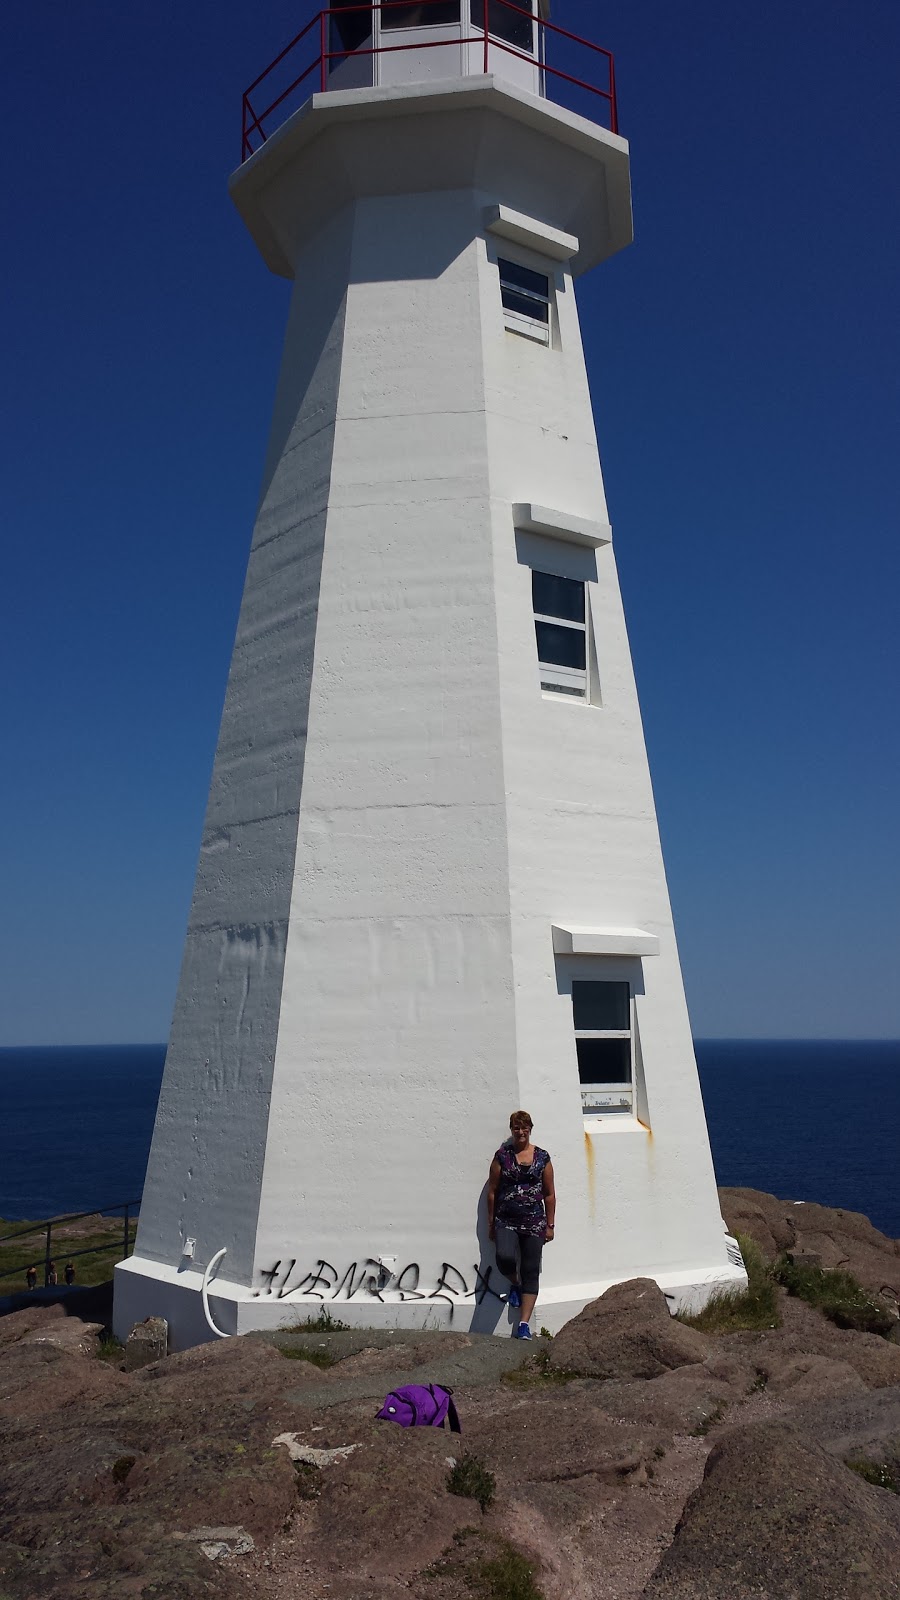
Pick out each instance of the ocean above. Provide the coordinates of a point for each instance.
(804, 1120)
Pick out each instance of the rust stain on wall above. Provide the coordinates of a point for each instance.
(590, 1159)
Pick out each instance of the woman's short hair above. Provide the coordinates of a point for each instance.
(521, 1116)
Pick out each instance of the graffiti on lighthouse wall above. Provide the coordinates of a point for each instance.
(376, 1280)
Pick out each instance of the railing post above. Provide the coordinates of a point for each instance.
(47, 1257)
(613, 108)
(485, 25)
(323, 83)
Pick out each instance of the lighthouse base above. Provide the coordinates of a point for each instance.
(198, 1310)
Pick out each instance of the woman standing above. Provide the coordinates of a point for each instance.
(521, 1203)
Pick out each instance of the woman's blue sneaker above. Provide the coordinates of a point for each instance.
(523, 1331)
(514, 1298)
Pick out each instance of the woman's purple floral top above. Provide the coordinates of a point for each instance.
(520, 1195)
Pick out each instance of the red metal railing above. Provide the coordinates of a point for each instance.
(312, 46)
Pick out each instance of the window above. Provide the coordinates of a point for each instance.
(525, 296)
(511, 22)
(352, 30)
(424, 14)
(560, 624)
(602, 1014)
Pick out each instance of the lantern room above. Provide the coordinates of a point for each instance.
(410, 41)
(394, 44)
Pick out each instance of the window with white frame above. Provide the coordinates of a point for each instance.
(561, 628)
(507, 19)
(603, 1040)
(525, 297)
(414, 14)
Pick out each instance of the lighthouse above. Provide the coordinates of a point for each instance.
(430, 888)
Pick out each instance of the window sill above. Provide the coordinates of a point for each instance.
(537, 332)
(569, 699)
(614, 1122)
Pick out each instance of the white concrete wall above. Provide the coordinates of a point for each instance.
(398, 816)
(583, 838)
(397, 1022)
(206, 1160)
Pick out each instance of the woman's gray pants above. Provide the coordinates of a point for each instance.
(519, 1257)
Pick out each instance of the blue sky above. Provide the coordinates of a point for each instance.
(744, 357)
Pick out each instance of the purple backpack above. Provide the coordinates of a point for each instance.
(420, 1406)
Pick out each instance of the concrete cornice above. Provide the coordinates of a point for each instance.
(513, 147)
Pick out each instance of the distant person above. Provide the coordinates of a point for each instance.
(50, 1278)
(521, 1205)
(31, 1277)
(70, 1273)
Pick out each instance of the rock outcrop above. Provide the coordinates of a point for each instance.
(818, 1235)
(776, 1515)
(630, 1458)
(627, 1333)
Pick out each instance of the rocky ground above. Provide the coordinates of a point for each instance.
(630, 1458)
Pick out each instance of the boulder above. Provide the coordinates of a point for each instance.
(148, 1341)
(802, 1378)
(384, 1511)
(684, 1400)
(71, 1334)
(627, 1333)
(777, 1516)
(861, 1427)
(805, 1332)
(32, 1319)
(559, 1434)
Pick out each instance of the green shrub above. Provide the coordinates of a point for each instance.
(109, 1348)
(506, 1576)
(122, 1467)
(323, 1323)
(837, 1294)
(729, 1310)
(471, 1478)
(877, 1472)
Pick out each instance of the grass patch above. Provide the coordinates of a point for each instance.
(506, 1576)
(323, 1323)
(302, 1352)
(101, 1234)
(536, 1372)
(730, 1310)
(470, 1477)
(838, 1295)
(109, 1349)
(877, 1472)
(489, 1567)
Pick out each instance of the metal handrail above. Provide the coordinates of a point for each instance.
(252, 121)
(46, 1228)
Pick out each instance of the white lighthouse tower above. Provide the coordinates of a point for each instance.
(430, 887)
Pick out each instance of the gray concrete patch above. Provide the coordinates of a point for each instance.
(422, 1357)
